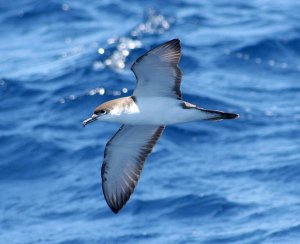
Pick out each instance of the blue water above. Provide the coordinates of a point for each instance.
(206, 182)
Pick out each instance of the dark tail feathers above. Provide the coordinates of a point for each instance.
(219, 115)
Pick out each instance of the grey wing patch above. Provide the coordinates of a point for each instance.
(124, 159)
(157, 71)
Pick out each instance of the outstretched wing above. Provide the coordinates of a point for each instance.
(124, 159)
(157, 71)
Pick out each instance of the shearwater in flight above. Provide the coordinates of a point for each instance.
(155, 103)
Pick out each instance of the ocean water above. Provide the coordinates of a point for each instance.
(205, 182)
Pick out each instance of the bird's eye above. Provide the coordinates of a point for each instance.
(101, 111)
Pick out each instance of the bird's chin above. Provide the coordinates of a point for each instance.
(88, 121)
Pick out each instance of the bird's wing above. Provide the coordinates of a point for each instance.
(157, 71)
(124, 158)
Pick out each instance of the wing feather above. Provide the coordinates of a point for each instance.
(157, 71)
(124, 158)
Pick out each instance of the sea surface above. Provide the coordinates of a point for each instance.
(235, 181)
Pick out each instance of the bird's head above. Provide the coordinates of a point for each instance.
(103, 112)
(111, 110)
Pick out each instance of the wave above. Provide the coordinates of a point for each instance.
(187, 206)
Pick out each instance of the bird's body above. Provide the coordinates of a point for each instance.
(162, 111)
(153, 111)
(156, 102)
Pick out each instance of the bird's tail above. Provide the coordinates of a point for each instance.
(206, 114)
(218, 115)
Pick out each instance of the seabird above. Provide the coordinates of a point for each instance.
(155, 103)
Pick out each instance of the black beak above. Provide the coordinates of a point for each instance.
(89, 120)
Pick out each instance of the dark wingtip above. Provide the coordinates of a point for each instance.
(173, 44)
(112, 206)
(115, 210)
(175, 40)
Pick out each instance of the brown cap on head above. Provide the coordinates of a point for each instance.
(107, 106)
